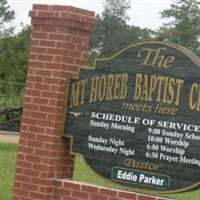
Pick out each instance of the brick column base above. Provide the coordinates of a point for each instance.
(71, 190)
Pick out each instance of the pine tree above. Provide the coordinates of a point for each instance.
(112, 31)
(184, 25)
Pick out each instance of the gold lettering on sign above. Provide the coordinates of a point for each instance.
(77, 94)
(154, 57)
(161, 89)
(194, 98)
(108, 87)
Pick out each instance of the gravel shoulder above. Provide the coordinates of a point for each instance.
(9, 137)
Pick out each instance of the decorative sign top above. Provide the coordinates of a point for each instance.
(135, 117)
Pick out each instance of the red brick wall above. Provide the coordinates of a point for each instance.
(69, 190)
(59, 47)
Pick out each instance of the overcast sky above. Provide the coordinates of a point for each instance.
(143, 13)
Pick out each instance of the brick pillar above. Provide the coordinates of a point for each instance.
(60, 40)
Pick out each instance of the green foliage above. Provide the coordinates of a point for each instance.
(13, 58)
(13, 62)
(116, 9)
(112, 32)
(6, 15)
(10, 100)
(184, 26)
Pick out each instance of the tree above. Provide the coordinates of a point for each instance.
(184, 27)
(116, 9)
(110, 27)
(6, 16)
(112, 32)
(14, 60)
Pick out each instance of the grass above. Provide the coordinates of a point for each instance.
(187, 196)
(8, 152)
(7, 171)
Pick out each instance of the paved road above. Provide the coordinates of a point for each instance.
(9, 137)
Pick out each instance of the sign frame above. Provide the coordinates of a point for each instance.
(193, 58)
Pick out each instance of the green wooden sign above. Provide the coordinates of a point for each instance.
(135, 117)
